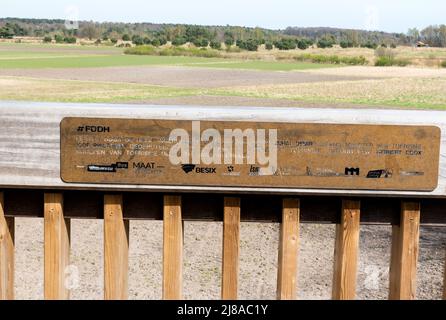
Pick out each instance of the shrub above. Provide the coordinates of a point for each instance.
(393, 46)
(58, 38)
(147, 40)
(443, 64)
(346, 44)
(173, 51)
(215, 45)
(125, 37)
(332, 59)
(114, 41)
(325, 43)
(98, 42)
(303, 44)
(137, 40)
(250, 44)
(179, 41)
(162, 41)
(285, 44)
(70, 40)
(370, 45)
(47, 39)
(229, 42)
(156, 43)
(200, 42)
(268, 46)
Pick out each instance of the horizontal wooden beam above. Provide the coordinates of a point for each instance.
(89, 204)
(30, 140)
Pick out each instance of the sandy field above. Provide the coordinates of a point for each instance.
(202, 260)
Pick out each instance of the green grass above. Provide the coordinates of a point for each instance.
(66, 56)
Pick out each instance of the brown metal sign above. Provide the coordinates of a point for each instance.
(249, 154)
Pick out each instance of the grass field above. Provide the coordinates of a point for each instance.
(409, 87)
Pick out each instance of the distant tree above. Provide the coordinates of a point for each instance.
(71, 40)
(304, 44)
(89, 31)
(414, 35)
(137, 40)
(285, 44)
(179, 41)
(269, 46)
(125, 37)
(47, 39)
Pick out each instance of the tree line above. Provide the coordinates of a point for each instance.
(213, 36)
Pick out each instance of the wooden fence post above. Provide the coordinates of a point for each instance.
(404, 256)
(288, 250)
(6, 254)
(56, 247)
(231, 248)
(172, 249)
(346, 252)
(116, 249)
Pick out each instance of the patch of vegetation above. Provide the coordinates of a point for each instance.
(386, 58)
(250, 44)
(173, 51)
(331, 59)
(443, 64)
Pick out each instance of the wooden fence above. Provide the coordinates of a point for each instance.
(31, 187)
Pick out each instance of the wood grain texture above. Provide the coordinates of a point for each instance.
(231, 248)
(404, 255)
(6, 254)
(56, 247)
(116, 249)
(444, 281)
(172, 249)
(346, 252)
(288, 250)
(30, 140)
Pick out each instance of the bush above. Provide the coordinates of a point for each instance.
(393, 46)
(173, 51)
(229, 42)
(346, 44)
(125, 37)
(137, 40)
(114, 41)
(200, 43)
(47, 39)
(332, 59)
(268, 46)
(98, 42)
(70, 40)
(443, 64)
(285, 44)
(58, 38)
(147, 40)
(179, 41)
(215, 45)
(304, 44)
(250, 44)
(370, 45)
(156, 43)
(325, 43)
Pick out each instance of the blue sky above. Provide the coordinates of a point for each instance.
(385, 15)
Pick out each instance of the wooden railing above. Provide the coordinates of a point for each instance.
(31, 186)
(57, 208)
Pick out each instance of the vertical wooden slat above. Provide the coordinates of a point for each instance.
(288, 250)
(116, 249)
(404, 256)
(56, 247)
(346, 252)
(172, 249)
(444, 281)
(231, 248)
(6, 254)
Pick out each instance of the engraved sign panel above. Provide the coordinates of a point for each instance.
(249, 154)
